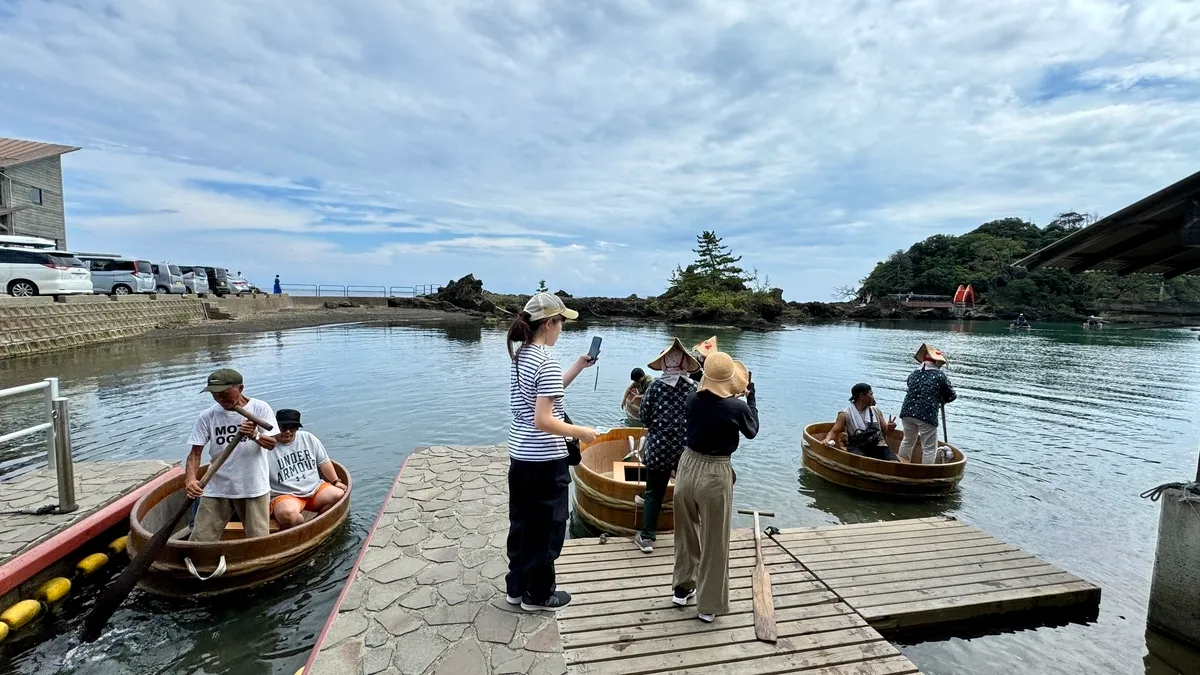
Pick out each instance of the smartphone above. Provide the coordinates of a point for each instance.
(595, 350)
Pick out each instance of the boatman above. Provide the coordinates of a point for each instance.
(243, 484)
(302, 477)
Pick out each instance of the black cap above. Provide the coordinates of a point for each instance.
(855, 391)
(288, 418)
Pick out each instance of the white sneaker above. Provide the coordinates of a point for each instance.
(706, 618)
(681, 596)
(637, 499)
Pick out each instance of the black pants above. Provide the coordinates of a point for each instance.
(656, 490)
(876, 452)
(537, 525)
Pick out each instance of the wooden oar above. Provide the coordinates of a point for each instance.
(764, 601)
(945, 431)
(115, 594)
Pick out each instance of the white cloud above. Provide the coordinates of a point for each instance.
(586, 143)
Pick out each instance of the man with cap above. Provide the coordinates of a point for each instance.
(302, 477)
(864, 426)
(242, 485)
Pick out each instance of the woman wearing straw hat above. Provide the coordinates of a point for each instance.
(928, 390)
(716, 415)
(665, 418)
(538, 477)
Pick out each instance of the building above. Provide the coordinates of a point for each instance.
(31, 189)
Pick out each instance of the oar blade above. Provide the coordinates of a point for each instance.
(764, 606)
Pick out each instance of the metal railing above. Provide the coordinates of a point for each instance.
(58, 437)
(346, 291)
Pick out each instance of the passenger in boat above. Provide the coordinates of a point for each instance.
(242, 485)
(1020, 320)
(665, 420)
(928, 389)
(716, 415)
(538, 478)
(864, 426)
(638, 385)
(302, 477)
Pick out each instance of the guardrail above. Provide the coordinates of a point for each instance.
(58, 437)
(346, 291)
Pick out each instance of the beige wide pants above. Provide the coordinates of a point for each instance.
(703, 508)
(214, 513)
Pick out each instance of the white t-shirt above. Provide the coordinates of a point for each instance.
(294, 466)
(246, 473)
(535, 373)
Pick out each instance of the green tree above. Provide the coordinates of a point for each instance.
(715, 265)
(542, 288)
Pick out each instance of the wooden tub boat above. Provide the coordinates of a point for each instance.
(897, 479)
(605, 502)
(633, 410)
(248, 563)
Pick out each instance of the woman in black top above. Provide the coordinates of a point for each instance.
(717, 417)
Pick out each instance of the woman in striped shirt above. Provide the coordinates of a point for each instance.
(537, 475)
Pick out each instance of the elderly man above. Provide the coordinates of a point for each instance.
(302, 477)
(242, 485)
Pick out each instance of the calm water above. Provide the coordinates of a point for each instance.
(1064, 429)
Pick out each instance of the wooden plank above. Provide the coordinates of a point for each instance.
(981, 552)
(581, 583)
(673, 661)
(641, 591)
(831, 571)
(859, 556)
(584, 563)
(868, 547)
(811, 540)
(959, 592)
(800, 663)
(636, 601)
(913, 522)
(624, 634)
(954, 609)
(667, 539)
(610, 572)
(893, 528)
(661, 614)
(865, 590)
(717, 634)
(619, 552)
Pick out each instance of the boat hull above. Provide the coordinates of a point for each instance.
(897, 479)
(607, 504)
(249, 563)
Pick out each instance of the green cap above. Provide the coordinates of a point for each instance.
(222, 380)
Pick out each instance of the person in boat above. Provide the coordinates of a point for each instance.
(1093, 320)
(538, 477)
(302, 476)
(636, 391)
(1020, 320)
(864, 426)
(717, 415)
(666, 425)
(243, 484)
(928, 389)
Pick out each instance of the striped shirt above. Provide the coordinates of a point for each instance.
(535, 373)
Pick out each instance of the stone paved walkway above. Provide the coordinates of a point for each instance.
(428, 595)
(96, 484)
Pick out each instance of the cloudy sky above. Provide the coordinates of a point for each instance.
(397, 142)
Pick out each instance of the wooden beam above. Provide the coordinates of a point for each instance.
(1157, 234)
(1183, 267)
(1135, 265)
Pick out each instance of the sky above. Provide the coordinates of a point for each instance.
(396, 143)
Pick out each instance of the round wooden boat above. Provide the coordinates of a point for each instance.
(898, 479)
(248, 562)
(605, 502)
(1013, 326)
(633, 411)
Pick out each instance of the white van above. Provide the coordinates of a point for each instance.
(26, 271)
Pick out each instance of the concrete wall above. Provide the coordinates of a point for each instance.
(46, 220)
(231, 307)
(317, 302)
(41, 324)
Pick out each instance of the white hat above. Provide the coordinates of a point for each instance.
(545, 305)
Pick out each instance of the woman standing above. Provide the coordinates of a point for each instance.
(716, 415)
(537, 475)
(666, 424)
(928, 389)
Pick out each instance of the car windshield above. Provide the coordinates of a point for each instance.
(67, 259)
(144, 267)
(175, 270)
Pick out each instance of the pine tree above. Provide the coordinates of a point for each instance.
(542, 288)
(716, 264)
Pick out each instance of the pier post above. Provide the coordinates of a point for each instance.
(62, 452)
(1175, 587)
(51, 444)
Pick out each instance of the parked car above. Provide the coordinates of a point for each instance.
(218, 280)
(168, 278)
(26, 272)
(115, 275)
(239, 285)
(195, 279)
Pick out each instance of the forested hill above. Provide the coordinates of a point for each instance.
(983, 258)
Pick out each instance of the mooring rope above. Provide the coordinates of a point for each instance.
(1193, 490)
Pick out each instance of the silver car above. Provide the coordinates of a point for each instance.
(168, 279)
(195, 279)
(114, 275)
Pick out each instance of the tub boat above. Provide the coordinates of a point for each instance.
(897, 479)
(605, 484)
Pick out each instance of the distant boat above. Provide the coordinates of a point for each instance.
(1014, 326)
(897, 479)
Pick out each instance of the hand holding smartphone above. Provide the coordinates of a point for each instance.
(594, 352)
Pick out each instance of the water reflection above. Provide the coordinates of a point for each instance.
(1166, 656)
(850, 506)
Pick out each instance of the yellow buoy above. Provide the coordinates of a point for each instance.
(3, 631)
(92, 563)
(54, 590)
(118, 545)
(21, 613)
(301, 671)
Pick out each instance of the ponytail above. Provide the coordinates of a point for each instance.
(522, 331)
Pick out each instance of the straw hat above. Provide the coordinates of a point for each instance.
(931, 353)
(707, 347)
(723, 375)
(690, 363)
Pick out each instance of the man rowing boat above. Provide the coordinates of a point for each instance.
(302, 476)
